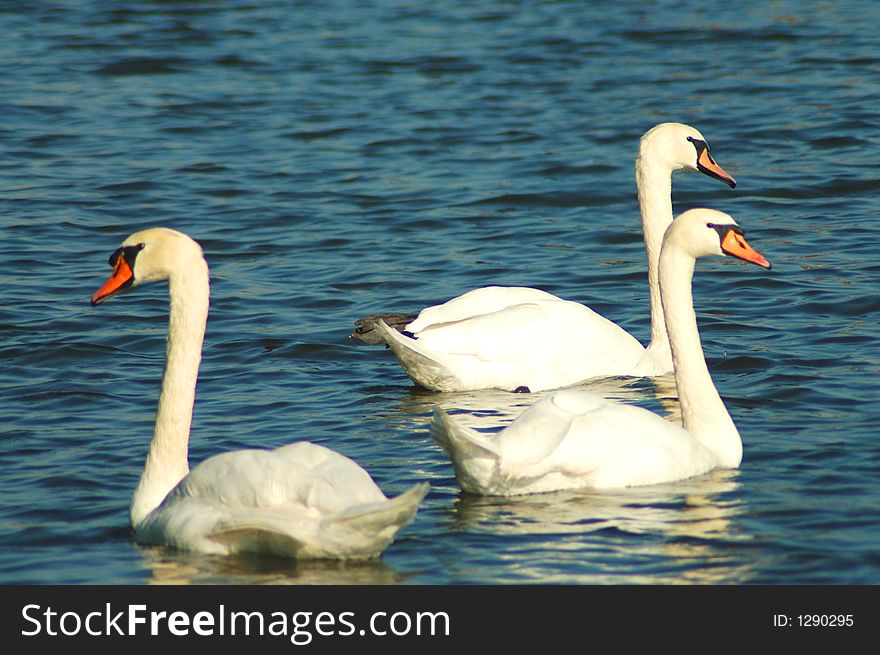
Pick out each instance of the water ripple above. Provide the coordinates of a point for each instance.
(339, 163)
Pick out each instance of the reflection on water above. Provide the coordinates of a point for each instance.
(366, 170)
(170, 567)
(687, 526)
(690, 508)
(667, 397)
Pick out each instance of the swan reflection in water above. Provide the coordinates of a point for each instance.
(698, 508)
(676, 533)
(682, 532)
(175, 567)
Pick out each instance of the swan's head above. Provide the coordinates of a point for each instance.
(681, 147)
(147, 256)
(706, 232)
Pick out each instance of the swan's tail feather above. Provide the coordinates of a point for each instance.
(459, 440)
(396, 512)
(366, 328)
(359, 533)
(366, 531)
(423, 369)
(475, 457)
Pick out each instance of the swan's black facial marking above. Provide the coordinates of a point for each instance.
(701, 146)
(409, 334)
(129, 253)
(522, 389)
(702, 149)
(723, 229)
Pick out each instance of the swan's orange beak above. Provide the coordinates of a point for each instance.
(121, 278)
(707, 165)
(735, 244)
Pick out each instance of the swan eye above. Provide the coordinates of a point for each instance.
(711, 226)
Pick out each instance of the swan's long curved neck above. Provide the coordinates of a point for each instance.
(654, 186)
(703, 412)
(167, 462)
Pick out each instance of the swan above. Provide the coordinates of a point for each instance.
(576, 439)
(523, 339)
(301, 500)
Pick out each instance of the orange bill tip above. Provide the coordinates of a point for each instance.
(735, 244)
(120, 278)
(707, 165)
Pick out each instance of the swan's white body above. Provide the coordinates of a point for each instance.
(301, 500)
(535, 340)
(511, 337)
(576, 439)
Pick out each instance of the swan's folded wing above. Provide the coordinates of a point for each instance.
(293, 531)
(304, 473)
(533, 443)
(478, 302)
(494, 337)
(543, 344)
(620, 445)
(536, 330)
(515, 460)
(264, 532)
(523, 448)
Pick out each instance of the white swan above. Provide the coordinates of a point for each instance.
(301, 500)
(576, 439)
(517, 338)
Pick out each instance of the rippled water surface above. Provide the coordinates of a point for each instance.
(336, 159)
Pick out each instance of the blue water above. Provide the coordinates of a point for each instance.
(337, 159)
